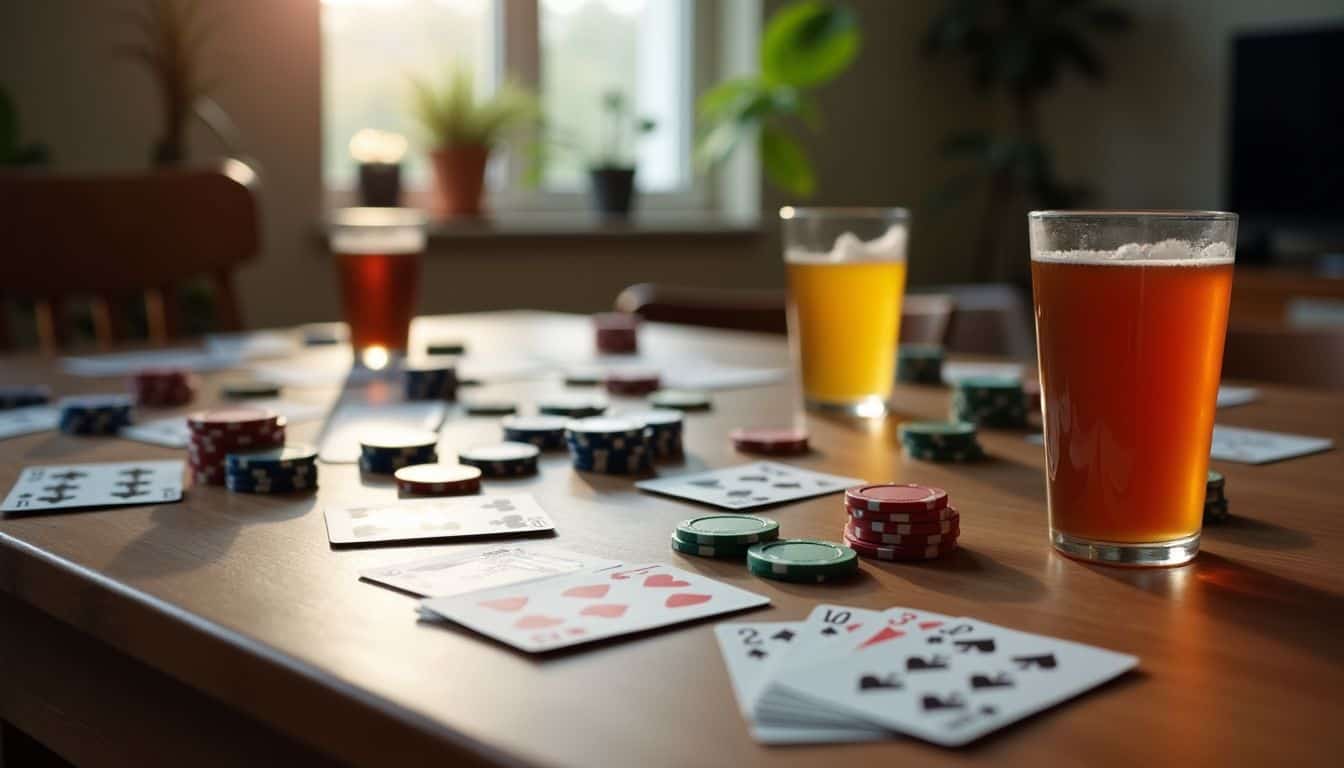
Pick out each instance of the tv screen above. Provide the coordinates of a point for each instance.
(1287, 142)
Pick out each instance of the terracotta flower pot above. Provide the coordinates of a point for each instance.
(459, 178)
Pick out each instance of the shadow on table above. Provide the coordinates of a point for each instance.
(992, 581)
(1249, 532)
(1308, 618)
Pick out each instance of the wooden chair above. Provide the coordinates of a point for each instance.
(1302, 357)
(925, 318)
(110, 238)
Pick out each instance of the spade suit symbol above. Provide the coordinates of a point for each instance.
(931, 702)
(784, 634)
(757, 653)
(919, 663)
(873, 682)
(983, 646)
(1043, 661)
(1001, 680)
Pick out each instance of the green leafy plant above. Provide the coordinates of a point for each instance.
(13, 151)
(1017, 50)
(806, 44)
(618, 132)
(451, 113)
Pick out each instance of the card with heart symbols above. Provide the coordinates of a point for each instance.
(437, 518)
(758, 484)
(578, 608)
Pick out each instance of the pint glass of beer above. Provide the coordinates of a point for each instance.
(846, 270)
(378, 253)
(1131, 310)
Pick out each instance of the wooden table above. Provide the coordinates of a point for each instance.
(225, 629)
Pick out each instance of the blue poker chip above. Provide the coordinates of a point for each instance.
(94, 414)
(22, 397)
(430, 382)
(506, 459)
(288, 456)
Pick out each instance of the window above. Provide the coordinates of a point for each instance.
(570, 51)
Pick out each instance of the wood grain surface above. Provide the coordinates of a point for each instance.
(241, 600)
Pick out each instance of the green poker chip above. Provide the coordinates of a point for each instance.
(937, 434)
(680, 399)
(708, 550)
(727, 530)
(1216, 479)
(802, 560)
(489, 407)
(250, 390)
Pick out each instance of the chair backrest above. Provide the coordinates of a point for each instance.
(1302, 357)
(111, 237)
(924, 318)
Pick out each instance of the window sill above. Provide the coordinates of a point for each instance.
(548, 225)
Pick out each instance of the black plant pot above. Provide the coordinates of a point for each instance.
(613, 190)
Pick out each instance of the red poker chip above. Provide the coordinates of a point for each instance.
(895, 553)
(227, 420)
(896, 497)
(438, 479)
(869, 536)
(632, 382)
(619, 321)
(949, 522)
(773, 441)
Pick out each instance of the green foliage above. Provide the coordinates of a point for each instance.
(805, 45)
(619, 132)
(451, 113)
(13, 152)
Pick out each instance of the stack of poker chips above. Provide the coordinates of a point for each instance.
(609, 445)
(940, 441)
(216, 434)
(279, 470)
(545, 432)
(95, 414)
(22, 397)
(806, 561)
(617, 333)
(725, 536)
(663, 431)
(632, 382)
(438, 480)
(506, 459)
(385, 451)
(990, 401)
(900, 521)
(430, 382)
(1215, 499)
(163, 388)
(919, 364)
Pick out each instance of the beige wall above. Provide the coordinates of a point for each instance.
(1152, 137)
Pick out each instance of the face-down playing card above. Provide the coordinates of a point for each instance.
(111, 484)
(437, 518)
(583, 607)
(757, 484)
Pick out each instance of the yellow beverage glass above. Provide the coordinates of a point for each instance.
(846, 272)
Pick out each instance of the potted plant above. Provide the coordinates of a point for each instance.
(613, 170)
(462, 129)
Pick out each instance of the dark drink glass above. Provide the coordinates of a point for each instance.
(378, 253)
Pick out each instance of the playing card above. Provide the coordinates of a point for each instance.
(25, 421)
(126, 363)
(437, 518)
(348, 421)
(1229, 396)
(757, 484)
(112, 484)
(251, 345)
(481, 568)
(172, 431)
(955, 371)
(1256, 446)
(957, 682)
(578, 608)
(709, 375)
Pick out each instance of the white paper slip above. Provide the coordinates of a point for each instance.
(126, 363)
(172, 431)
(1255, 446)
(1229, 396)
(954, 372)
(25, 421)
(348, 421)
(460, 572)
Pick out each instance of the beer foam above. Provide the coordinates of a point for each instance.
(848, 247)
(1168, 253)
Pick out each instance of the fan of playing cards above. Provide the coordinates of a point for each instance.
(850, 674)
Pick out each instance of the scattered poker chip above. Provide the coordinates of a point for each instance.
(163, 387)
(616, 332)
(446, 347)
(990, 401)
(867, 534)
(894, 553)
(938, 434)
(22, 397)
(601, 432)
(666, 426)
(951, 524)
(802, 560)
(680, 399)
(225, 420)
(505, 459)
(258, 480)
(250, 390)
(285, 457)
(975, 453)
(430, 382)
(733, 551)
(919, 364)
(384, 451)
(476, 407)
(727, 530)
(575, 405)
(545, 432)
(909, 498)
(632, 382)
(1216, 511)
(1215, 499)
(438, 480)
(584, 376)
(772, 441)
(94, 414)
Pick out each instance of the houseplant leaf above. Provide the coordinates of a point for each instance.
(785, 162)
(809, 43)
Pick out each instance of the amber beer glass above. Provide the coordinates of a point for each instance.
(1131, 311)
(378, 253)
(846, 271)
